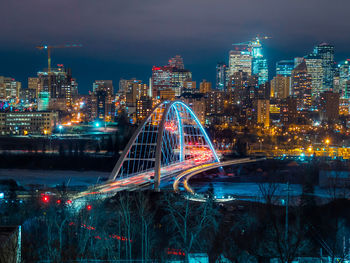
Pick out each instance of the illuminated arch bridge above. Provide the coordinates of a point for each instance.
(171, 139)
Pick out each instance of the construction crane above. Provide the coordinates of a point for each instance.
(49, 48)
(256, 39)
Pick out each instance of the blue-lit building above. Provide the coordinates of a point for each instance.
(259, 63)
(284, 67)
(221, 76)
(326, 53)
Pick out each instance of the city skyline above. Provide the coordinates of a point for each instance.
(111, 41)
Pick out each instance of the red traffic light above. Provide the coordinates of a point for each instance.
(88, 207)
(45, 198)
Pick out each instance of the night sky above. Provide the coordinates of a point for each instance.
(124, 39)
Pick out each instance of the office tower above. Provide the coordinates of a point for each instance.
(106, 85)
(242, 86)
(326, 52)
(101, 100)
(177, 62)
(289, 112)
(284, 67)
(62, 86)
(171, 76)
(178, 78)
(143, 108)
(221, 76)
(259, 63)
(215, 102)
(329, 106)
(204, 87)
(281, 86)
(34, 84)
(301, 86)
(262, 112)
(9, 88)
(43, 101)
(240, 59)
(315, 70)
(161, 79)
(344, 77)
(298, 61)
(27, 122)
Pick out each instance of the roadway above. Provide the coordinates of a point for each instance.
(185, 176)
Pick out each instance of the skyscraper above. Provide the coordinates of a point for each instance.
(172, 76)
(259, 63)
(240, 59)
(204, 87)
(221, 78)
(326, 52)
(284, 67)
(101, 99)
(177, 62)
(9, 88)
(344, 77)
(301, 86)
(281, 86)
(315, 70)
(63, 86)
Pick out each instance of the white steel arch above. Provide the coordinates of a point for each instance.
(169, 139)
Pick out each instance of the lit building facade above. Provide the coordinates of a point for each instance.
(9, 88)
(302, 86)
(315, 70)
(326, 52)
(284, 67)
(27, 122)
(240, 59)
(280, 85)
(221, 76)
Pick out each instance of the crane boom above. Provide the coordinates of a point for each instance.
(48, 48)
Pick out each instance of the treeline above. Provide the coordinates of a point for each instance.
(41, 161)
(151, 226)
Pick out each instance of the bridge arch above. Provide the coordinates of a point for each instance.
(170, 138)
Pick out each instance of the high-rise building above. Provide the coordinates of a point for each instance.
(289, 112)
(326, 52)
(259, 63)
(221, 76)
(284, 67)
(329, 106)
(344, 77)
(242, 86)
(62, 85)
(298, 61)
(9, 88)
(240, 59)
(315, 70)
(281, 86)
(178, 78)
(161, 79)
(262, 112)
(204, 87)
(143, 108)
(177, 62)
(106, 85)
(171, 76)
(101, 101)
(34, 84)
(301, 86)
